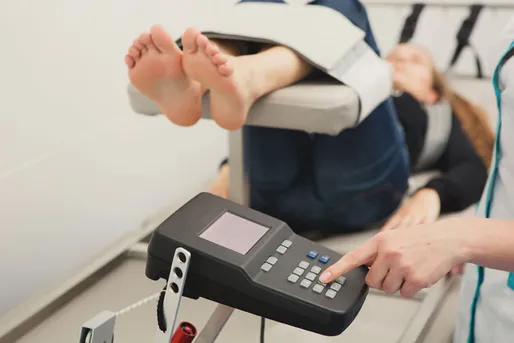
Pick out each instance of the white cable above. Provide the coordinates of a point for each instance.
(139, 303)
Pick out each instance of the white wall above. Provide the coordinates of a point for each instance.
(77, 167)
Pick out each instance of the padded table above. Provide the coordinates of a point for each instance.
(317, 107)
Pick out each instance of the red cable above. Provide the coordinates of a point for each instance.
(185, 333)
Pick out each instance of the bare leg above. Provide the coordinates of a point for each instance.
(236, 82)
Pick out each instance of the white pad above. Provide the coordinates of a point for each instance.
(322, 36)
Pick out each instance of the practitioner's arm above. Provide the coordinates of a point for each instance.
(410, 260)
(491, 244)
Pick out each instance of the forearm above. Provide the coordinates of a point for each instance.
(487, 242)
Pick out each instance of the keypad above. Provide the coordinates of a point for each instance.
(316, 269)
(305, 283)
(281, 250)
(293, 278)
(266, 267)
(308, 278)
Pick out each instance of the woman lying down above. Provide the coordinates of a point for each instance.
(467, 152)
(340, 183)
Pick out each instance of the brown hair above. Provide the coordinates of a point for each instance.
(473, 118)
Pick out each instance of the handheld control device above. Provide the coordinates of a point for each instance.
(255, 263)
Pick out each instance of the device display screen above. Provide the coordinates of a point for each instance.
(235, 233)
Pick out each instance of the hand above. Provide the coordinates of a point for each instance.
(457, 270)
(408, 52)
(220, 185)
(413, 72)
(407, 260)
(423, 208)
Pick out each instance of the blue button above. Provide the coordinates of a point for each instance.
(324, 259)
(312, 254)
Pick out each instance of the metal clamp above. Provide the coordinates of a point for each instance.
(100, 329)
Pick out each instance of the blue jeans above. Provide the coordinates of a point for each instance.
(340, 183)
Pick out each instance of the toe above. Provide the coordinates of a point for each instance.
(163, 40)
(219, 59)
(137, 44)
(130, 61)
(202, 41)
(189, 40)
(212, 49)
(146, 39)
(134, 53)
(225, 70)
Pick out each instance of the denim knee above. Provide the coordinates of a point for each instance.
(361, 209)
(275, 158)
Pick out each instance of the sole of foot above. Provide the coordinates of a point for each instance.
(228, 80)
(155, 69)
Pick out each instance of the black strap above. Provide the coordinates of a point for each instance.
(161, 319)
(464, 35)
(409, 27)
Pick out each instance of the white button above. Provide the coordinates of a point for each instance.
(305, 283)
(281, 250)
(272, 260)
(304, 265)
(287, 243)
(293, 278)
(341, 280)
(318, 288)
(266, 267)
(316, 270)
(310, 276)
(331, 294)
(298, 271)
(336, 287)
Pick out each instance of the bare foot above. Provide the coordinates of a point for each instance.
(228, 78)
(155, 69)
